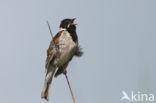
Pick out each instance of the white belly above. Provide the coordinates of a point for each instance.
(67, 48)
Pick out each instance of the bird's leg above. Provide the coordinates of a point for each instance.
(65, 72)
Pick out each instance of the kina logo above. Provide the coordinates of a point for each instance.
(137, 97)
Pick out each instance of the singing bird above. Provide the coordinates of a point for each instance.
(62, 49)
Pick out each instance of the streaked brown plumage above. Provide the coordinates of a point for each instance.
(51, 50)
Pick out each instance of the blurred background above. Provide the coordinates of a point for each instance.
(118, 38)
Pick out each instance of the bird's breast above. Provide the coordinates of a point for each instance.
(67, 48)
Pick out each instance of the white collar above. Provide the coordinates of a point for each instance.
(62, 29)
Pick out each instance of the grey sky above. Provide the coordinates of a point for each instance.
(118, 39)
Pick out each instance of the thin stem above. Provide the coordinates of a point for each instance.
(50, 29)
(70, 88)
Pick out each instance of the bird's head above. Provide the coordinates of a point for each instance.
(68, 23)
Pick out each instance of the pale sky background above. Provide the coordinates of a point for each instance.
(118, 39)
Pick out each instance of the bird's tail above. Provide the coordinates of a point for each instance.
(47, 82)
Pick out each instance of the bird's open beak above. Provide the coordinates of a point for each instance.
(73, 21)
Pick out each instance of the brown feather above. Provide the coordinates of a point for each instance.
(51, 52)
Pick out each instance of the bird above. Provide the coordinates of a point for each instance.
(63, 47)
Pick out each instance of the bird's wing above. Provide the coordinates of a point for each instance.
(51, 52)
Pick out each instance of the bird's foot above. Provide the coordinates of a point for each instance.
(64, 72)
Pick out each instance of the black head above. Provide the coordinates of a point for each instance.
(67, 23)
